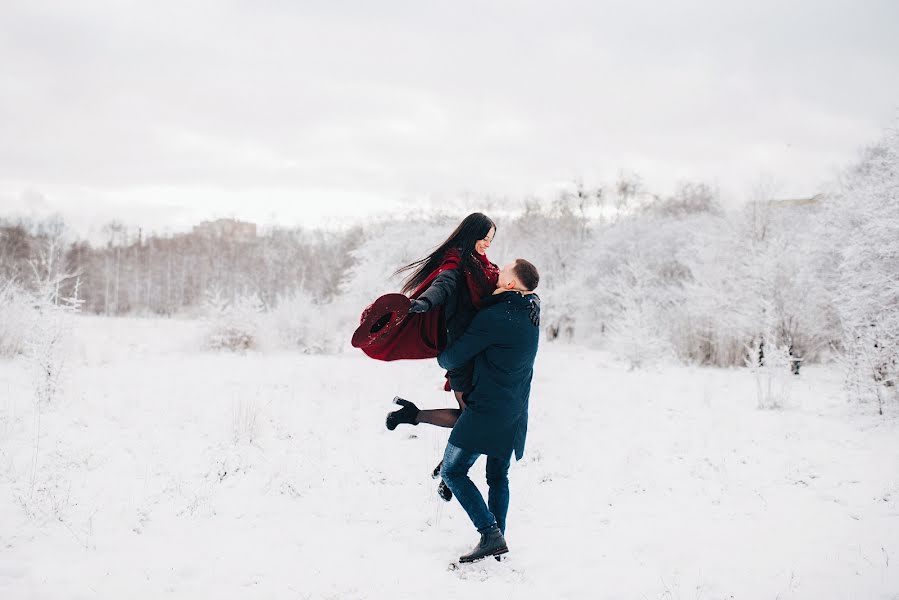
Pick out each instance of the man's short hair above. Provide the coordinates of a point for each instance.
(527, 274)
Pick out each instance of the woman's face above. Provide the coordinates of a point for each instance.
(481, 246)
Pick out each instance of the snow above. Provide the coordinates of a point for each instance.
(166, 471)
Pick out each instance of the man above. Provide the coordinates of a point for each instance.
(502, 340)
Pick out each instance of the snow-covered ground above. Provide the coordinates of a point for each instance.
(163, 471)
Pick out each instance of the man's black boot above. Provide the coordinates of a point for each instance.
(407, 414)
(492, 544)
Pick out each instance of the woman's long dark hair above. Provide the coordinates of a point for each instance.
(473, 228)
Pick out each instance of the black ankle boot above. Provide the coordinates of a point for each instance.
(407, 414)
(492, 544)
(444, 492)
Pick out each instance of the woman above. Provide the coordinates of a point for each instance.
(454, 278)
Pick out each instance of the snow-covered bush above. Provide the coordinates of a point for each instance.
(638, 273)
(46, 348)
(245, 414)
(637, 332)
(713, 320)
(298, 322)
(52, 313)
(867, 366)
(46, 344)
(232, 323)
(15, 317)
(769, 363)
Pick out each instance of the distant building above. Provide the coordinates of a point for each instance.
(230, 229)
(792, 202)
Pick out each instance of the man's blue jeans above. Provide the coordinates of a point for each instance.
(456, 464)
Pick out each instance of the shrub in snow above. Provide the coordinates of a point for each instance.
(868, 366)
(677, 296)
(761, 270)
(52, 313)
(49, 329)
(16, 309)
(298, 322)
(769, 363)
(636, 333)
(232, 323)
(244, 419)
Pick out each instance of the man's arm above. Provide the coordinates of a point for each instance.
(480, 334)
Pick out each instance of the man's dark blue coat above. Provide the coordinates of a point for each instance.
(502, 340)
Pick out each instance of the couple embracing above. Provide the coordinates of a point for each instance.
(482, 324)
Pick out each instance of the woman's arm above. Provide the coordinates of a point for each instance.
(437, 293)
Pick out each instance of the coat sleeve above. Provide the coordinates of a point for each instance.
(441, 288)
(479, 335)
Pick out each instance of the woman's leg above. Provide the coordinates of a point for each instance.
(441, 417)
(409, 413)
(459, 399)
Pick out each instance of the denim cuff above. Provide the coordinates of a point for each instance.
(483, 530)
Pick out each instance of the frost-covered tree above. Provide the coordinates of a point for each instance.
(554, 236)
(866, 212)
(712, 317)
(637, 332)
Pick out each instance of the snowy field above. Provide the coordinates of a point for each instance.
(162, 471)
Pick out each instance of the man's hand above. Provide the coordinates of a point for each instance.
(419, 306)
(535, 310)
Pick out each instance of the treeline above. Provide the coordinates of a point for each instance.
(647, 276)
(137, 274)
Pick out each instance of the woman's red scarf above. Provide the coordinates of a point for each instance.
(480, 285)
(423, 335)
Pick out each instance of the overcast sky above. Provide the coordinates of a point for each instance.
(165, 113)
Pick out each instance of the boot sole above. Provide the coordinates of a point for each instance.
(495, 555)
